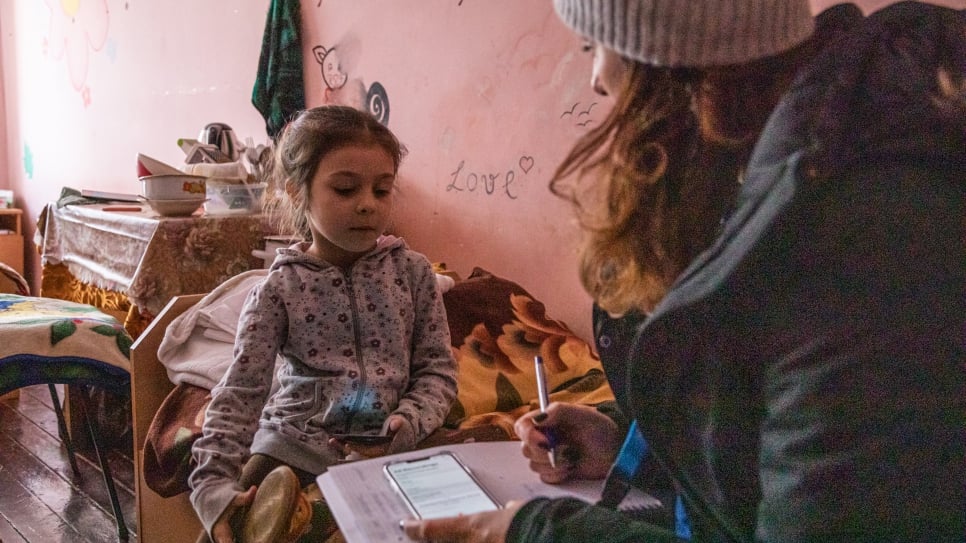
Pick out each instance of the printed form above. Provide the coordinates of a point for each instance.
(367, 508)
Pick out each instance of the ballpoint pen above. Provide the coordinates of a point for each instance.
(544, 395)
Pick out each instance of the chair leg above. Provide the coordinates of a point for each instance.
(122, 532)
(62, 428)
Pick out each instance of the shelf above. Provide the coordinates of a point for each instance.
(11, 245)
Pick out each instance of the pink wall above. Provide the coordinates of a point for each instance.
(481, 92)
(869, 6)
(89, 84)
(4, 178)
(487, 94)
(483, 83)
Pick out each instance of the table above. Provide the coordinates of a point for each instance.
(131, 263)
(135, 262)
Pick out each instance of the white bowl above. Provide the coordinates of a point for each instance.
(175, 208)
(173, 187)
(152, 166)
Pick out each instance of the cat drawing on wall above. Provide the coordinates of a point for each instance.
(342, 90)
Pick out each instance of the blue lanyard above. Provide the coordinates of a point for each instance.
(625, 468)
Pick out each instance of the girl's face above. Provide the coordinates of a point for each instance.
(350, 202)
(610, 71)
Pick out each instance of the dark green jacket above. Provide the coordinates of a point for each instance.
(804, 378)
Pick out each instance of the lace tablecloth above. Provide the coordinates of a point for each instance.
(144, 257)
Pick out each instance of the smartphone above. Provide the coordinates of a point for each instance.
(362, 439)
(439, 486)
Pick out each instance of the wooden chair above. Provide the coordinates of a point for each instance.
(50, 341)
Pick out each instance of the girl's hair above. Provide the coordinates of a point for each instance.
(656, 178)
(303, 144)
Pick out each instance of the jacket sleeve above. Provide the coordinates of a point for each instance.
(432, 382)
(566, 519)
(236, 403)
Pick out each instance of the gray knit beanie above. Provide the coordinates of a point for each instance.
(693, 33)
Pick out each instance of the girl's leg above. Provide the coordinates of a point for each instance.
(319, 519)
(253, 472)
(322, 523)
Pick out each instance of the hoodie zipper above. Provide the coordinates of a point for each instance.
(360, 394)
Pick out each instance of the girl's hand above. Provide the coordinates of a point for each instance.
(403, 438)
(586, 442)
(221, 531)
(488, 527)
(402, 432)
(354, 450)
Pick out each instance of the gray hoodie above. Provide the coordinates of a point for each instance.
(358, 345)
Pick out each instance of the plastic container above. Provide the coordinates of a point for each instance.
(233, 198)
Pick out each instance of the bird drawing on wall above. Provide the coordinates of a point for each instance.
(581, 116)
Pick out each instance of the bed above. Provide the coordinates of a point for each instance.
(496, 326)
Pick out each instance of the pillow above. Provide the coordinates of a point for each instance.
(52, 328)
(497, 328)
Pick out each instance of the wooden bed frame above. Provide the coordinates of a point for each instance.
(159, 520)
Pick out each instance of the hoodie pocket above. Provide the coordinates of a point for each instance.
(299, 399)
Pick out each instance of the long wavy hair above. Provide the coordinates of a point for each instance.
(652, 183)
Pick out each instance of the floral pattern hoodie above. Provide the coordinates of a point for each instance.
(357, 345)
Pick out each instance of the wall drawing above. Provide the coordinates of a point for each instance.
(342, 90)
(28, 161)
(580, 115)
(500, 183)
(77, 27)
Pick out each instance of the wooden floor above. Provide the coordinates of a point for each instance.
(41, 499)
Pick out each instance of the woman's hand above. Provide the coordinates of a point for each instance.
(585, 440)
(221, 531)
(488, 527)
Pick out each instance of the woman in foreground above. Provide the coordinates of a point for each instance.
(803, 378)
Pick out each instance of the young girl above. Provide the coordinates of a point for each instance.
(355, 315)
